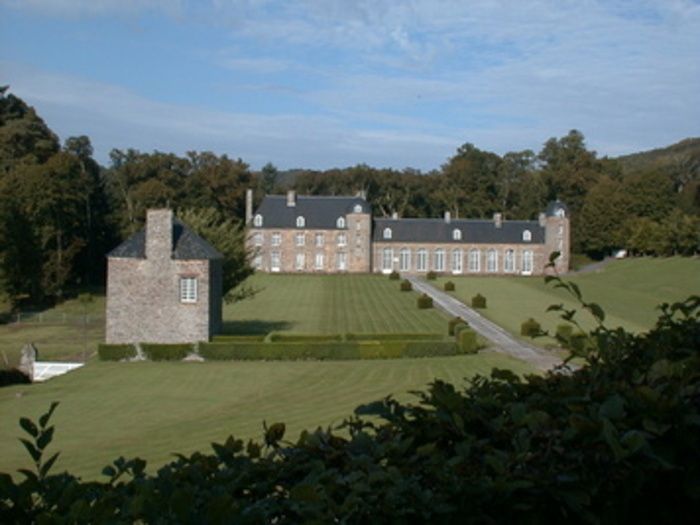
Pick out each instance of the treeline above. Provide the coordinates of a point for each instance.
(60, 211)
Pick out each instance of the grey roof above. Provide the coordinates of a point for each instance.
(473, 231)
(553, 206)
(319, 212)
(186, 245)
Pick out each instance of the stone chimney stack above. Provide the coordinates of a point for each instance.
(498, 219)
(543, 219)
(362, 194)
(291, 198)
(248, 205)
(159, 234)
(448, 217)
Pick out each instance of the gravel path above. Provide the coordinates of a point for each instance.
(503, 341)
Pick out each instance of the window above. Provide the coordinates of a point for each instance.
(509, 261)
(319, 239)
(387, 259)
(257, 221)
(560, 213)
(527, 236)
(456, 261)
(358, 226)
(342, 261)
(527, 262)
(439, 260)
(300, 261)
(474, 261)
(188, 289)
(318, 261)
(301, 222)
(456, 235)
(276, 239)
(275, 261)
(387, 233)
(405, 260)
(422, 260)
(342, 239)
(491, 261)
(257, 262)
(357, 208)
(300, 239)
(340, 223)
(561, 230)
(258, 239)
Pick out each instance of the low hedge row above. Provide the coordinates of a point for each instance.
(393, 337)
(278, 337)
(115, 352)
(13, 376)
(238, 338)
(166, 352)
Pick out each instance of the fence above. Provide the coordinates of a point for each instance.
(55, 318)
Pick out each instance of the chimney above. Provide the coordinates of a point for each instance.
(159, 234)
(448, 217)
(362, 194)
(291, 198)
(498, 219)
(248, 205)
(395, 215)
(543, 219)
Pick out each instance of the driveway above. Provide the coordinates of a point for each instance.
(502, 340)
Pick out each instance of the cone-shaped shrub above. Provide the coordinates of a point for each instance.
(406, 286)
(530, 328)
(449, 286)
(478, 301)
(394, 276)
(424, 302)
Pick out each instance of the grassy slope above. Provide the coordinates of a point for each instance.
(153, 409)
(628, 290)
(331, 304)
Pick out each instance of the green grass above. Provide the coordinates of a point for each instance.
(153, 409)
(330, 304)
(628, 290)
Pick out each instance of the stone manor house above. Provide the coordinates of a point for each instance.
(319, 234)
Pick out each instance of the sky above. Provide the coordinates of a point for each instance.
(334, 83)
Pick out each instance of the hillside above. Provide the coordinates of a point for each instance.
(683, 155)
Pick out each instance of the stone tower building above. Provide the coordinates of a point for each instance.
(163, 285)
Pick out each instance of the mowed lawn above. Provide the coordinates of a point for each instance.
(330, 304)
(628, 290)
(153, 409)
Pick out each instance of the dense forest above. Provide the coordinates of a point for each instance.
(60, 211)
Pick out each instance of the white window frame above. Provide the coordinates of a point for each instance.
(319, 261)
(319, 239)
(275, 261)
(340, 223)
(422, 260)
(341, 261)
(474, 262)
(300, 261)
(188, 289)
(357, 208)
(527, 235)
(527, 262)
(387, 260)
(386, 234)
(439, 260)
(491, 261)
(258, 239)
(301, 222)
(456, 235)
(405, 260)
(457, 261)
(258, 221)
(276, 239)
(342, 239)
(257, 262)
(300, 239)
(509, 261)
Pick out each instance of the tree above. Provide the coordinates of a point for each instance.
(268, 178)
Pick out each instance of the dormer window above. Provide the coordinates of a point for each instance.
(301, 222)
(340, 223)
(456, 235)
(258, 221)
(527, 236)
(387, 233)
(357, 208)
(560, 213)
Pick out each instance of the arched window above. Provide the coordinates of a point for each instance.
(527, 236)
(456, 235)
(340, 223)
(257, 221)
(422, 260)
(491, 261)
(439, 260)
(527, 262)
(387, 260)
(387, 233)
(509, 261)
(474, 261)
(357, 208)
(301, 222)
(405, 260)
(560, 213)
(456, 261)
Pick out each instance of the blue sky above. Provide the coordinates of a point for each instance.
(334, 83)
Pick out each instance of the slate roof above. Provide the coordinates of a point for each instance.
(186, 245)
(554, 206)
(319, 212)
(473, 231)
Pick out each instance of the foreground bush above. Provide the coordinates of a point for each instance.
(431, 276)
(449, 286)
(615, 441)
(452, 323)
(467, 341)
(530, 328)
(166, 352)
(406, 286)
(115, 352)
(394, 276)
(13, 376)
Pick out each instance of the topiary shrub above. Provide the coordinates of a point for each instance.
(394, 276)
(564, 333)
(431, 276)
(452, 323)
(478, 301)
(13, 376)
(459, 327)
(467, 341)
(164, 352)
(115, 352)
(424, 302)
(406, 286)
(530, 328)
(449, 286)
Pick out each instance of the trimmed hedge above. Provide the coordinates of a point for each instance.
(452, 323)
(115, 352)
(467, 341)
(277, 337)
(394, 276)
(406, 286)
(424, 302)
(394, 337)
(13, 376)
(530, 328)
(478, 301)
(238, 338)
(449, 286)
(166, 352)
(459, 327)
(431, 276)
